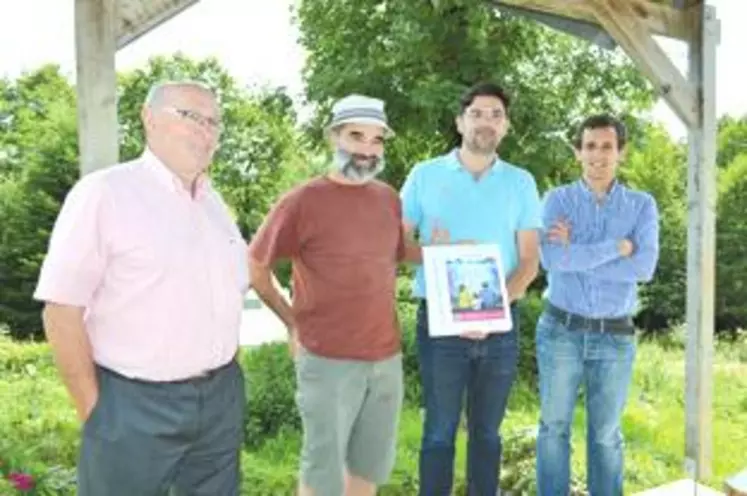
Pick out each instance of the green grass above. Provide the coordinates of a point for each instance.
(39, 431)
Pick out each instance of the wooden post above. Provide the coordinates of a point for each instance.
(701, 247)
(632, 23)
(656, 17)
(96, 82)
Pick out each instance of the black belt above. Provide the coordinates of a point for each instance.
(199, 377)
(619, 325)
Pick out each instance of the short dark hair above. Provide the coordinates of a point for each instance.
(601, 121)
(483, 89)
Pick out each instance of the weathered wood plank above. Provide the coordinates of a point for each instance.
(658, 18)
(619, 18)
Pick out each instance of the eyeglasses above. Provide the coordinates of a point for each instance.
(196, 117)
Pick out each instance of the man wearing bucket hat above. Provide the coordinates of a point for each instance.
(343, 234)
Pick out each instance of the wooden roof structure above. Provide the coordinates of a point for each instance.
(104, 26)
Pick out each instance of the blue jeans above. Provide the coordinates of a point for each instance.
(449, 367)
(604, 362)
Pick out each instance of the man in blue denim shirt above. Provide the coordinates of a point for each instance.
(471, 195)
(600, 239)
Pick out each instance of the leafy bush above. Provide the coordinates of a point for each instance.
(38, 435)
(270, 393)
(411, 368)
(530, 309)
(731, 232)
(17, 358)
(272, 469)
(39, 431)
(270, 384)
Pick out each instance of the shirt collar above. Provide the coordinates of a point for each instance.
(167, 178)
(589, 193)
(454, 163)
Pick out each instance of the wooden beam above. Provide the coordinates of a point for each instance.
(659, 19)
(96, 83)
(129, 31)
(620, 20)
(701, 250)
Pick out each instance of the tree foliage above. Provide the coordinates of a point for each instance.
(419, 59)
(39, 165)
(261, 154)
(259, 148)
(731, 237)
(656, 164)
(732, 139)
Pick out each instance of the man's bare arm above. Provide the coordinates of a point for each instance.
(413, 250)
(66, 334)
(526, 272)
(268, 289)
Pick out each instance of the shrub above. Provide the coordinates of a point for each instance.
(39, 432)
(18, 358)
(273, 468)
(530, 309)
(38, 427)
(270, 384)
(270, 393)
(407, 313)
(731, 233)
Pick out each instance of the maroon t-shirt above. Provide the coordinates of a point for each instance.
(345, 242)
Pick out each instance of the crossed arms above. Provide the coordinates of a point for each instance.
(620, 260)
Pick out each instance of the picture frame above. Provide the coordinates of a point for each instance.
(466, 289)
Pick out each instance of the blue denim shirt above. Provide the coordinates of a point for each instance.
(588, 276)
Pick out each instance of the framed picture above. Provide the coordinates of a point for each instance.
(465, 289)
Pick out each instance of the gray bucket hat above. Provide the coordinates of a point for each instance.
(359, 109)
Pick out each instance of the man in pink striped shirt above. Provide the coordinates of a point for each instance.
(143, 287)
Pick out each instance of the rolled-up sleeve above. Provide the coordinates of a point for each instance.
(76, 258)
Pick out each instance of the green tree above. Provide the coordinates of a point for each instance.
(732, 139)
(655, 163)
(26, 106)
(659, 165)
(731, 236)
(419, 58)
(41, 166)
(261, 154)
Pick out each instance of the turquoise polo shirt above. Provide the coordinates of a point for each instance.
(492, 209)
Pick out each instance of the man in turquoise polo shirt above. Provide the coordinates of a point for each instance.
(474, 196)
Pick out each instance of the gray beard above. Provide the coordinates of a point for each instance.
(345, 164)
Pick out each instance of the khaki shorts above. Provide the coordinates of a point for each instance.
(350, 414)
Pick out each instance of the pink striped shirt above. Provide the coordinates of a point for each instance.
(162, 275)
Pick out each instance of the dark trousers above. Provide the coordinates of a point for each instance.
(451, 367)
(148, 438)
